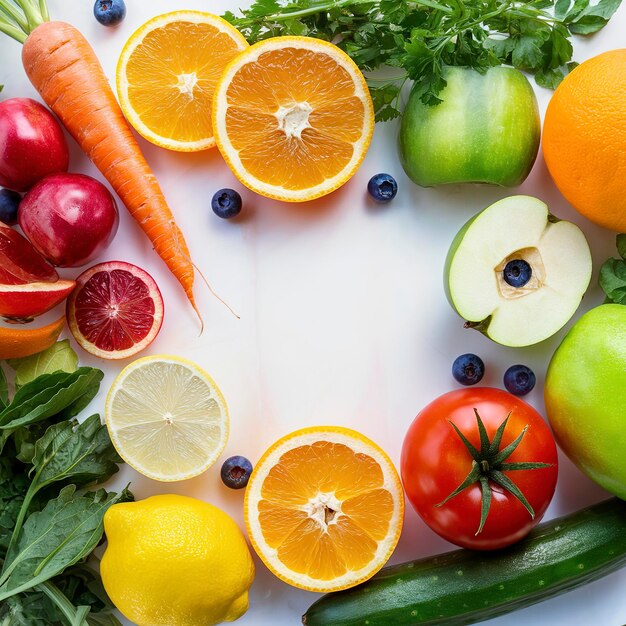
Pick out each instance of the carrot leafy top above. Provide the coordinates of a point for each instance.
(18, 18)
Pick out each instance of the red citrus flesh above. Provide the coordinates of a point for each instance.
(26, 301)
(20, 263)
(116, 310)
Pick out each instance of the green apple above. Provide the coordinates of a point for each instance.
(516, 272)
(486, 130)
(585, 396)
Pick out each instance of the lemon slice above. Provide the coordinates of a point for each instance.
(167, 418)
(166, 76)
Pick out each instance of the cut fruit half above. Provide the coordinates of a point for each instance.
(20, 263)
(167, 418)
(26, 301)
(293, 117)
(115, 311)
(16, 343)
(167, 74)
(324, 508)
(517, 273)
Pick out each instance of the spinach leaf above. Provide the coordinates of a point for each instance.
(65, 531)
(80, 453)
(58, 357)
(29, 609)
(621, 245)
(4, 390)
(613, 280)
(13, 488)
(60, 394)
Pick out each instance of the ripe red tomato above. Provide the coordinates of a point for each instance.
(435, 462)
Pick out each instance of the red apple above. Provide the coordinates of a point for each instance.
(32, 144)
(20, 263)
(69, 218)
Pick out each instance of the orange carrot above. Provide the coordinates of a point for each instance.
(64, 69)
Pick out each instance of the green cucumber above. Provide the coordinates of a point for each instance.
(465, 587)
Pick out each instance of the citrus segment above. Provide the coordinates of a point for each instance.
(167, 74)
(16, 343)
(116, 310)
(167, 418)
(293, 117)
(324, 508)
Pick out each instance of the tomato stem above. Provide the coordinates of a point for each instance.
(488, 464)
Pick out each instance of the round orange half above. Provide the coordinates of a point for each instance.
(293, 117)
(167, 73)
(324, 508)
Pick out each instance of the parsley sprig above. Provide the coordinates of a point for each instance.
(421, 37)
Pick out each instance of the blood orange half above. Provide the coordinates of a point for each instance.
(115, 311)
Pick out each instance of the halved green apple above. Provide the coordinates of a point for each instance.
(513, 309)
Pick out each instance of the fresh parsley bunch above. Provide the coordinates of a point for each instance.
(420, 37)
(50, 519)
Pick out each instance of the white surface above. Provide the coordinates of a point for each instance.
(343, 315)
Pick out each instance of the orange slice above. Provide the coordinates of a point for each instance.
(167, 73)
(16, 343)
(324, 508)
(293, 117)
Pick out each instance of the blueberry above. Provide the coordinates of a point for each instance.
(236, 472)
(109, 12)
(468, 369)
(517, 272)
(382, 187)
(519, 380)
(226, 203)
(9, 201)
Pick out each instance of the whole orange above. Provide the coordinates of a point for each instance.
(584, 139)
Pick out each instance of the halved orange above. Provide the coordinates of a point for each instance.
(167, 73)
(324, 508)
(293, 117)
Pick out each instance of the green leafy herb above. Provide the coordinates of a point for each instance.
(59, 357)
(47, 527)
(60, 394)
(420, 37)
(4, 390)
(613, 274)
(65, 531)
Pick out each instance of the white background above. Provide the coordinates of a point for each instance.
(343, 314)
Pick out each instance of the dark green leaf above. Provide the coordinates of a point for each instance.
(561, 8)
(527, 53)
(593, 17)
(82, 454)
(59, 394)
(13, 487)
(497, 438)
(621, 245)
(613, 280)
(65, 531)
(550, 78)
(4, 390)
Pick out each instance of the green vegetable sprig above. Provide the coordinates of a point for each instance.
(420, 37)
(613, 274)
(49, 524)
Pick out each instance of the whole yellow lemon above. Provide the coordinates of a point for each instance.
(175, 561)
